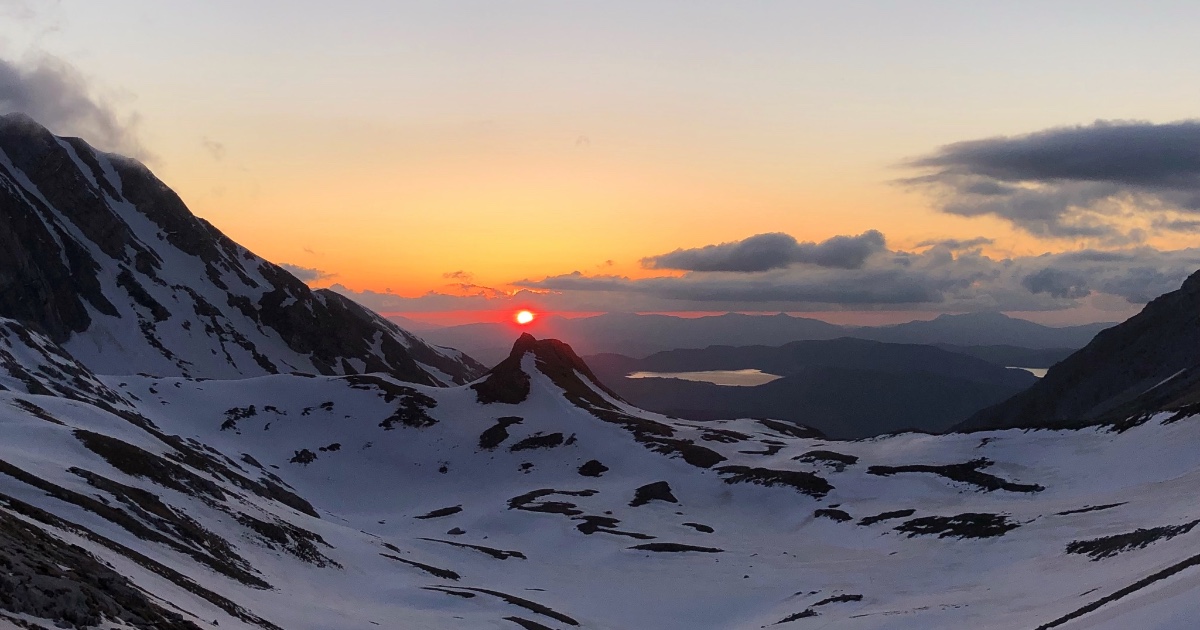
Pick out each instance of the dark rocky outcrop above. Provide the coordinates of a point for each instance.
(441, 512)
(802, 481)
(657, 491)
(968, 525)
(969, 473)
(669, 547)
(1109, 546)
(509, 384)
(833, 514)
(538, 440)
(496, 434)
(886, 516)
(592, 468)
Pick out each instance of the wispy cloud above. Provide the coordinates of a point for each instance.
(60, 97)
(214, 148)
(956, 244)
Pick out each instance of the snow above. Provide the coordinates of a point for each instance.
(779, 558)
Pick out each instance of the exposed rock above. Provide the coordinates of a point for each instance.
(657, 491)
(592, 468)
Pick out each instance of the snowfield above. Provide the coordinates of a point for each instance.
(293, 501)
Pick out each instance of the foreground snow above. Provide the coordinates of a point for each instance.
(368, 559)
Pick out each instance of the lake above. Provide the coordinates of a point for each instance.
(1038, 372)
(728, 378)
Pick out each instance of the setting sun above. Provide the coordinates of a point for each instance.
(524, 317)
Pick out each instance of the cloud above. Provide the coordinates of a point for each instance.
(1087, 181)
(214, 148)
(1057, 282)
(951, 276)
(58, 96)
(893, 287)
(764, 252)
(1177, 225)
(941, 278)
(307, 274)
(1138, 275)
(957, 244)
(17, 10)
(465, 276)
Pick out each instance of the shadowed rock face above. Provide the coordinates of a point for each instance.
(45, 578)
(104, 258)
(1146, 364)
(508, 383)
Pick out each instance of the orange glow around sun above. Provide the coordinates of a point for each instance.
(523, 317)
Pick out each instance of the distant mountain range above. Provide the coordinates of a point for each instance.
(643, 335)
(845, 388)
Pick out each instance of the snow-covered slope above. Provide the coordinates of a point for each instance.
(535, 499)
(100, 255)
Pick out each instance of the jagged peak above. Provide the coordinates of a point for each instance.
(508, 383)
(20, 120)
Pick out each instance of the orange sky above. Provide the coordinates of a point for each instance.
(389, 144)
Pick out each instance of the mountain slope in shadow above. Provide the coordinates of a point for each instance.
(846, 388)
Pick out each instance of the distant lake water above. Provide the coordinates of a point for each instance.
(1038, 372)
(728, 378)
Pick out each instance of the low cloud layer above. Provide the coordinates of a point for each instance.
(764, 252)
(937, 279)
(947, 276)
(58, 96)
(956, 244)
(1104, 181)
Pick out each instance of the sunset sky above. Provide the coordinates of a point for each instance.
(432, 158)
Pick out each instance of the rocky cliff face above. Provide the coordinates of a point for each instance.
(1147, 364)
(105, 259)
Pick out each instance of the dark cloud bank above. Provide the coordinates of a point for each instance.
(764, 252)
(1087, 182)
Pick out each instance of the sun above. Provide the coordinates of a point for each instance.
(523, 317)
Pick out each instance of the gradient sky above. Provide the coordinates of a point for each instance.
(390, 144)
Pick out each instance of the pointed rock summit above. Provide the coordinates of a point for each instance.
(508, 383)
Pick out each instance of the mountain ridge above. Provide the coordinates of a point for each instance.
(846, 388)
(639, 336)
(108, 261)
